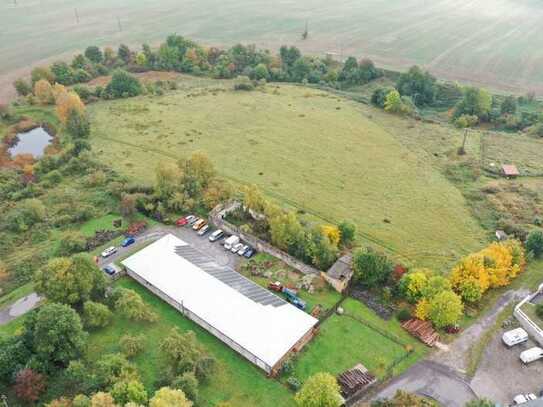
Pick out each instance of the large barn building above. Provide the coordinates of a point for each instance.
(259, 325)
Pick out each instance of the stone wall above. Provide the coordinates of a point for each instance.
(216, 217)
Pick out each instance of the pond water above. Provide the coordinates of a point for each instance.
(31, 142)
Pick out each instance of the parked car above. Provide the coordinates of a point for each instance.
(199, 224)
(514, 337)
(109, 251)
(184, 220)
(193, 219)
(276, 286)
(523, 398)
(236, 247)
(242, 251)
(231, 242)
(531, 355)
(109, 270)
(216, 235)
(128, 241)
(204, 230)
(249, 253)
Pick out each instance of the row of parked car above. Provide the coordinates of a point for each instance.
(232, 243)
(515, 337)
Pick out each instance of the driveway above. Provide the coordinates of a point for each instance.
(19, 307)
(433, 380)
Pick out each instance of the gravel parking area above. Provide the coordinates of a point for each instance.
(501, 374)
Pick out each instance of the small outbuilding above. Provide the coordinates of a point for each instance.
(510, 171)
(341, 273)
(501, 235)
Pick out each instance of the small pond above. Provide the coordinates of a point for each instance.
(31, 142)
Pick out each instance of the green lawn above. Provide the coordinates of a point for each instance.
(289, 141)
(343, 342)
(236, 379)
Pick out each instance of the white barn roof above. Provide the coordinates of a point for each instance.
(254, 318)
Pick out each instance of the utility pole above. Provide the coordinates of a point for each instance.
(306, 32)
(76, 16)
(119, 24)
(462, 150)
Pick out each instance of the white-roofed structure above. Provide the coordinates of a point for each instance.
(250, 319)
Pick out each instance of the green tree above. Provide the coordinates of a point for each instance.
(70, 280)
(96, 315)
(320, 390)
(371, 268)
(94, 54)
(123, 84)
(131, 345)
(534, 243)
(418, 84)
(22, 87)
(112, 368)
(446, 309)
(188, 384)
(124, 392)
(78, 124)
(181, 352)
(261, 72)
(124, 53)
(476, 102)
(166, 397)
(130, 304)
(63, 73)
(71, 242)
(393, 102)
(347, 233)
(379, 96)
(56, 333)
(41, 72)
(81, 401)
(509, 105)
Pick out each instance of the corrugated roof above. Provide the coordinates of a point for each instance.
(251, 316)
(342, 267)
(510, 170)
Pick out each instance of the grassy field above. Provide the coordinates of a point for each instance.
(360, 343)
(493, 42)
(304, 147)
(236, 380)
(523, 151)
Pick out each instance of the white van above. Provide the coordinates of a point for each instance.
(514, 337)
(531, 355)
(231, 242)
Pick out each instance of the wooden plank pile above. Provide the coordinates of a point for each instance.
(422, 330)
(354, 380)
(136, 228)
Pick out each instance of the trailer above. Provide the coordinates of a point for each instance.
(514, 337)
(231, 242)
(531, 355)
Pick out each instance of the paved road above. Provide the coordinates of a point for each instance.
(433, 380)
(19, 307)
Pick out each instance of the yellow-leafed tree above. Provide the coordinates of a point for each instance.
(422, 309)
(332, 233)
(44, 92)
(66, 102)
(470, 279)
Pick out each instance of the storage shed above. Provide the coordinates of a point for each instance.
(251, 320)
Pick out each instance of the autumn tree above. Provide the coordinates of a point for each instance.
(446, 309)
(470, 279)
(70, 281)
(40, 73)
(44, 92)
(102, 399)
(320, 390)
(167, 397)
(96, 315)
(61, 402)
(65, 103)
(130, 304)
(167, 180)
(414, 283)
(29, 385)
(124, 392)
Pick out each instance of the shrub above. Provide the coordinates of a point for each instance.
(71, 243)
(371, 268)
(404, 314)
(22, 87)
(347, 233)
(130, 304)
(446, 308)
(188, 384)
(131, 345)
(123, 84)
(96, 315)
(534, 243)
(129, 391)
(293, 383)
(243, 83)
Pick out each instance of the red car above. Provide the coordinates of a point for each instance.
(184, 220)
(275, 286)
